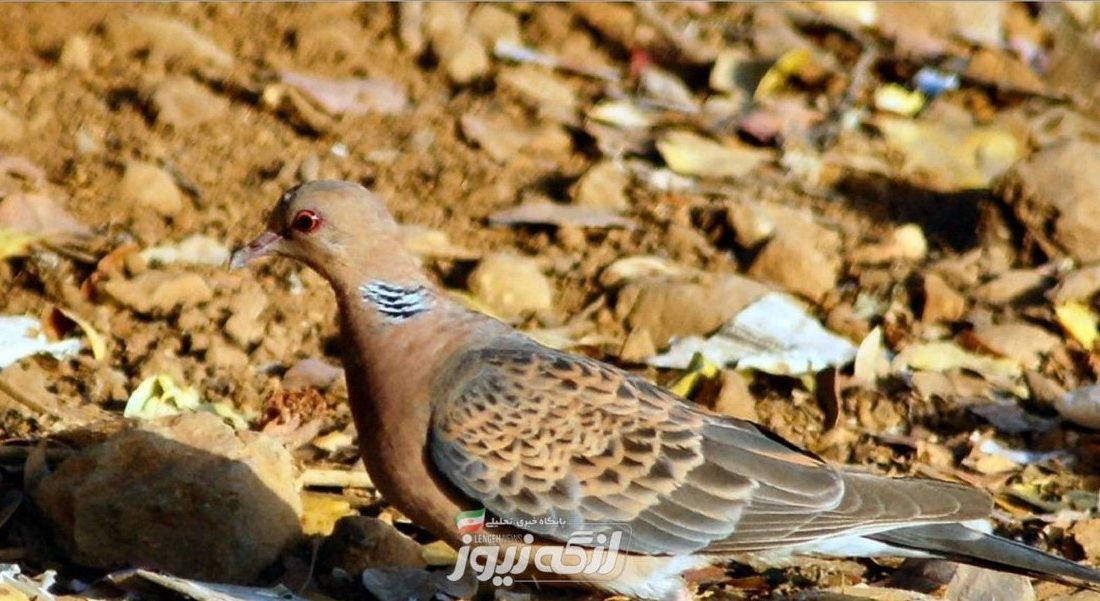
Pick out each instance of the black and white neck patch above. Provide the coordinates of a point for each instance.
(397, 303)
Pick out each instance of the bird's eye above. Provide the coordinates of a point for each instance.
(306, 222)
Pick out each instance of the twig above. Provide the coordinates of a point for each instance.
(334, 478)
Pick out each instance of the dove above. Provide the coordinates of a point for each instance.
(458, 413)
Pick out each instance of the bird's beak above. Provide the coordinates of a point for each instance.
(264, 245)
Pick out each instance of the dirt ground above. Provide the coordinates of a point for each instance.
(694, 158)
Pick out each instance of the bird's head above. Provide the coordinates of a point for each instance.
(327, 225)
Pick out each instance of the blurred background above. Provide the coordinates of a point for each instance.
(872, 227)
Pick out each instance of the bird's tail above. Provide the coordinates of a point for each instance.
(959, 543)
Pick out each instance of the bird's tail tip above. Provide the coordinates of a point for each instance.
(959, 543)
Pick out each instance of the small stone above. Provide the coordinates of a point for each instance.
(460, 49)
(186, 494)
(1087, 534)
(76, 53)
(941, 301)
(312, 373)
(512, 286)
(166, 39)
(11, 127)
(905, 243)
(328, 40)
(147, 186)
(159, 292)
(750, 224)
(1010, 286)
(359, 542)
(221, 354)
(465, 60)
(243, 326)
(797, 266)
(543, 90)
(180, 102)
(734, 399)
(603, 186)
(1023, 342)
(655, 310)
(1079, 285)
(502, 138)
(494, 24)
(87, 144)
(1053, 193)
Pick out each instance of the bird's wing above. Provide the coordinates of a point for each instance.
(558, 443)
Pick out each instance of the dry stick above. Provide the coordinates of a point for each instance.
(334, 478)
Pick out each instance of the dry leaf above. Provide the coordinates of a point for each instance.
(943, 356)
(689, 153)
(1079, 321)
(320, 512)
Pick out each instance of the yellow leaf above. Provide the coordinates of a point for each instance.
(321, 512)
(688, 153)
(776, 77)
(698, 370)
(160, 396)
(1079, 322)
(893, 98)
(943, 356)
(438, 553)
(14, 244)
(95, 340)
(863, 12)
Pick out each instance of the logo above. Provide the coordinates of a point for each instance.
(470, 521)
(591, 552)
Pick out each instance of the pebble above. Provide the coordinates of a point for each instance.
(221, 354)
(359, 542)
(76, 53)
(1078, 285)
(312, 373)
(1058, 202)
(166, 39)
(511, 285)
(159, 292)
(181, 102)
(1010, 286)
(603, 186)
(1021, 341)
(118, 503)
(461, 52)
(543, 90)
(244, 326)
(147, 186)
(751, 225)
(798, 266)
(328, 40)
(11, 127)
(659, 309)
(941, 301)
(735, 399)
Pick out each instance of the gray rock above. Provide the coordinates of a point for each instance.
(184, 494)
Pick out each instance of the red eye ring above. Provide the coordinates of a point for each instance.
(306, 221)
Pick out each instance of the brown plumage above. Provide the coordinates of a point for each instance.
(457, 411)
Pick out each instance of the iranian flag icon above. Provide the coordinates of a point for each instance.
(470, 521)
